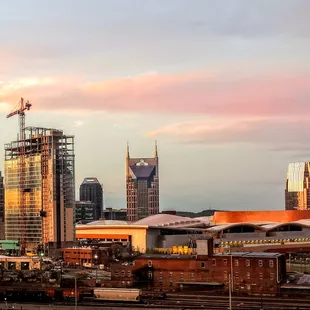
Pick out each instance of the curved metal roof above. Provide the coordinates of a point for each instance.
(169, 220)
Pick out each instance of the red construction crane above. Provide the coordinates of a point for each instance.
(23, 106)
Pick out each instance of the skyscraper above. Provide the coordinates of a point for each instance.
(48, 176)
(91, 190)
(1, 207)
(297, 192)
(142, 186)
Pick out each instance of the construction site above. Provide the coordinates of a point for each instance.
(39, 171)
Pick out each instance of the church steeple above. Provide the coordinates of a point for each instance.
(156, 152)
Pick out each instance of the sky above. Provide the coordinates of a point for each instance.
(223, 86)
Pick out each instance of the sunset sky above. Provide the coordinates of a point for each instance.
(223, 86)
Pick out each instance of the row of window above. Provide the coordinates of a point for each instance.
(260, 263)
(248, 276)
(122, 274)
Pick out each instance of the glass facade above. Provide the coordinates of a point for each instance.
(33, 200)
(297, 192)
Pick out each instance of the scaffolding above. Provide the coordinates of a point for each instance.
(49, 178)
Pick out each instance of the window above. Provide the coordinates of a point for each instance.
(170, 275)
(150, 264)
(225, 261)
(116, 273)
(213, 262)
(150, 275)
(202, 264)
(225, 275)
(181, 276)
(192, 276)
(248, 263)
(271, 276)
(129, 273)
(260, 263)
(123, 273)
(271, 263)
(261, 276)
(237, 275)
(248, 275)
(236, 263)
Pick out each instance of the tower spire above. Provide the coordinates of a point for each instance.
(156, 152)
(127, 155)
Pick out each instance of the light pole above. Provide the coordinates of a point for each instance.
(96, 258)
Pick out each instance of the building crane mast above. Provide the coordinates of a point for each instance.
(23, 106)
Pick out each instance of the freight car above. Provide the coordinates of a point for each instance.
(115, 294)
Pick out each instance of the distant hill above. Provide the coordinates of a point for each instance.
(208, 212)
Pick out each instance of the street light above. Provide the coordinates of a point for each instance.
(96, 257)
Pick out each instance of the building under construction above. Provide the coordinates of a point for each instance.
(45, 217)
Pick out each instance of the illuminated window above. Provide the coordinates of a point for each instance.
(260, 263)
(150, 264)
(248, 263)
(248, 275)
(236, 263)
(271, 263)
(150, 275)
(261, 276)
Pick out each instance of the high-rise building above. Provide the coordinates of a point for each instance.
(1, 207)
(297, 191)
(91, 190)
(142, 186)
(47, 217)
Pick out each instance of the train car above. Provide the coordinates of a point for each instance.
(116, 294)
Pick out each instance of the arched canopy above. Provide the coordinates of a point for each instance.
(235, 228)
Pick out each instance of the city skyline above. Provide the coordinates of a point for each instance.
(222, 86)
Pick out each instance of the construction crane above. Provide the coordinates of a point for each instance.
(22, 107)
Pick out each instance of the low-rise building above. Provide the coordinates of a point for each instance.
(85, 211)
(85, 256)
(248, 273)
(114, 214)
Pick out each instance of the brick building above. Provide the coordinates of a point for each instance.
(82, 256)
(250, 273)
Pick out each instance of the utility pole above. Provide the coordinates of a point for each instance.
(75, 288)
(229, 287)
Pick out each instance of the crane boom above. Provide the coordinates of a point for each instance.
(23, 106)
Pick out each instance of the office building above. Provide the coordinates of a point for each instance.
(1, 207)
(91, 190)
(47, 216)
(297, 192)
(110, 214)
(142, 186)
(85, 212)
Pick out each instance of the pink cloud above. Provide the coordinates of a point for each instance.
(196, 93)
(277, 133)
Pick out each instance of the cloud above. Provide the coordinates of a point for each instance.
(278, 134)
(283, 94)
